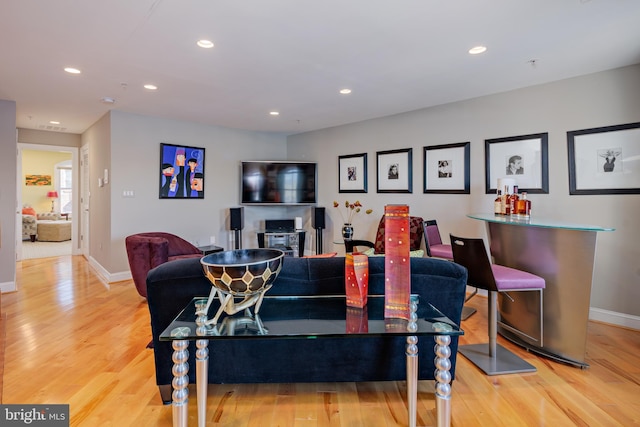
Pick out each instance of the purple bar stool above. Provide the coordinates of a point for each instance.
(436, 249)
(492, 358)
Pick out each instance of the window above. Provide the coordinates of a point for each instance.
(64, 184)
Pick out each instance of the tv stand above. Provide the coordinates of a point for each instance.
(290, 242)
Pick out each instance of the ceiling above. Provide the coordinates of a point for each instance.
(293, 56)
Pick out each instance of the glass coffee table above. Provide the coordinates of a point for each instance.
(291, 317)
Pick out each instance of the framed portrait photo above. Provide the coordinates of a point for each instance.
(523, 158)
(446, 168)
(395, 171)
(181, 172)
(352, 173)
(604, 160)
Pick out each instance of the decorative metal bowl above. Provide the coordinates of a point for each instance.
(247, 273)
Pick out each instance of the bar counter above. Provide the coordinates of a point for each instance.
(563, 254)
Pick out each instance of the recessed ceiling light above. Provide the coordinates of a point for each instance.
(72, 70)
(54, 122)
(478, 49)
(207, 44)
(150, 87)
(345, 91)
(107, 100)
(274, 113)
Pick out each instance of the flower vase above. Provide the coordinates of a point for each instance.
(397, 265)
(347, 231)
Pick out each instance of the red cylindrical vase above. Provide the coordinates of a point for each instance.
(397, 265)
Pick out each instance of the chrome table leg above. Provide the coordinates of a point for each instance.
(180, 383)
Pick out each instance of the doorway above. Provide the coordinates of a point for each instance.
(38, 194)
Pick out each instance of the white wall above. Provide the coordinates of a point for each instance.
(602, 99)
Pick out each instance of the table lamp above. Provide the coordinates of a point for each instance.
(53, 195)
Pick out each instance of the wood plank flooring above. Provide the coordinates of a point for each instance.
(71, 338)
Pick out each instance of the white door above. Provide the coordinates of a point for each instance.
(84, 201)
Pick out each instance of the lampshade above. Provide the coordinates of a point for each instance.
(52, 194)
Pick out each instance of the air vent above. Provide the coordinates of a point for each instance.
(52, 128)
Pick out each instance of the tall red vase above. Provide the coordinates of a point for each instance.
(397, 265)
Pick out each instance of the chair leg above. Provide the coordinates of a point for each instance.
(491, 358)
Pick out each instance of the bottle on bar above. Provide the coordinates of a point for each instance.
(523, 206)
(497, 204)
(513, 199)
(505, 201)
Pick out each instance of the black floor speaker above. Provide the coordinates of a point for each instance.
(317, 218)
(236, 218)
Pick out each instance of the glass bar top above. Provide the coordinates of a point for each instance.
(535, 221)
(308, 317)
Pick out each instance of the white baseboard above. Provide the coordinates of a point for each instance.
(105, 275)
(614, 318)
(119, 277)
(7, 287)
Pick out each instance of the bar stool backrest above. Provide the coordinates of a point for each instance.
(472, 254)
(433, 242)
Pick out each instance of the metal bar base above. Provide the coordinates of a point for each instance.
(502, 362)
(467, 312)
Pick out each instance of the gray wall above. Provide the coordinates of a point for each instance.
(129, 146)
(8, 188)
(601, 99)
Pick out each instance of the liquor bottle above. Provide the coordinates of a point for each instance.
(505, 201)
(523, 206)
(513, 199)
(497, 204)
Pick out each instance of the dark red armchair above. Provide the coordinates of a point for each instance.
(148, 250)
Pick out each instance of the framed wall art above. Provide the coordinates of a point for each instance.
(395, 171)
(523, 158)
(37, 180)
(352, 173)
(604, 160)
(446, 168)
(181, 172)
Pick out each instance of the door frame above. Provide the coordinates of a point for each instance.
(74, 191)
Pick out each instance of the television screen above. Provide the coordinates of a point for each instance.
(286, 183)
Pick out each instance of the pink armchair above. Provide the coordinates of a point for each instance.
(148, 250)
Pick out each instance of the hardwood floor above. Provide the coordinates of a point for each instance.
(72, 339)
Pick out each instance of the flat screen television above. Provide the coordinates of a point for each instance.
(278, 183)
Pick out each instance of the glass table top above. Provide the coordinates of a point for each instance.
(309, 317)
(537, 222)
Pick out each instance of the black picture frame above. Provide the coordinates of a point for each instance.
(180, 176)
(446, 168)
(532, 171)
(395, 171)
(352, 173)
(604, 160)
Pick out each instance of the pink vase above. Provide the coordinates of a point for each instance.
(356, 277)
(397, 264)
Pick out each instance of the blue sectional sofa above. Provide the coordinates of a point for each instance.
(172, 285)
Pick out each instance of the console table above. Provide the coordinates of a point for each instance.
(563, 254)
(304, 318)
